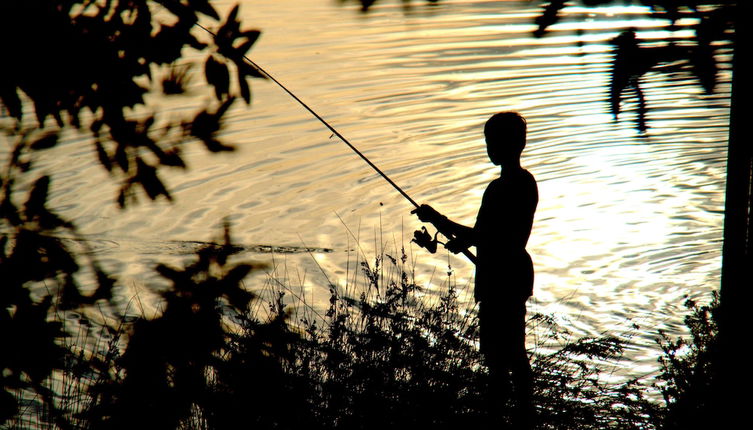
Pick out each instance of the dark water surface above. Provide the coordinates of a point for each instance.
(626, 226)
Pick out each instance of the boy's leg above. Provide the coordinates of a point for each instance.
(490, 345)
(522, 377)
(502, 342)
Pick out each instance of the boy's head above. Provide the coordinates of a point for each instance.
(505, 134)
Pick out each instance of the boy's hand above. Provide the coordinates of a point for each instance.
(456, 245)
(427, 213)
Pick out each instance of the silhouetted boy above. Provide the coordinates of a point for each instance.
(504, 271)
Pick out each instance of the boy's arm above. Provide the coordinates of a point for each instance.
(459, 235)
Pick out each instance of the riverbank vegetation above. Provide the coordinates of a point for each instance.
(382, 355)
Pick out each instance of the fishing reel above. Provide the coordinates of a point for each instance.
(423, 239)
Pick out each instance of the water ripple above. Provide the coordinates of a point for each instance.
(627, 226)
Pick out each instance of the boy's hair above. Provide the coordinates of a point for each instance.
(509, 127)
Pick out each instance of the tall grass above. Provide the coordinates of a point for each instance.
(385, 357)
(383, 354)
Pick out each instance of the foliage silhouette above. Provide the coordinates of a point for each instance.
(690, 370)
(30, 254)
(164, 370)
(367, 4)
(632, 60)
(87, 66)
(105, 56)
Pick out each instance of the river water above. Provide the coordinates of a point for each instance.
(626, 228)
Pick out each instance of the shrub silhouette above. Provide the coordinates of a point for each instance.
(166, 368)
(690, 370)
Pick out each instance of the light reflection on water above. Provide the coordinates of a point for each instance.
(626, 227)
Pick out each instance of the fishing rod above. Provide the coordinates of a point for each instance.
(334, 131)
(421, 237)
(323, 121)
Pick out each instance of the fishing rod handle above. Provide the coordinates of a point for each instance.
(465, 251)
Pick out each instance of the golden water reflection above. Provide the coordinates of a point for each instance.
(626, 227)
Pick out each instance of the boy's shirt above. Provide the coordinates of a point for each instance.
(503, 225)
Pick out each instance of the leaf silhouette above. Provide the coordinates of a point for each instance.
(218, 76)
(105, 284)
(251, 36)
(177, 80)
(233, 291)
(227, 33)
(548, 17)
(249, 70)
(35, 204)
(102, 156)
(146, 176)
(121, 156)
(244, 87)
(48, 140)
(207, 124)
(238, 273)
(124, 193)
(171, 158)
(178, 277)
(204, 7)
(9, 98)
(9, 211)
